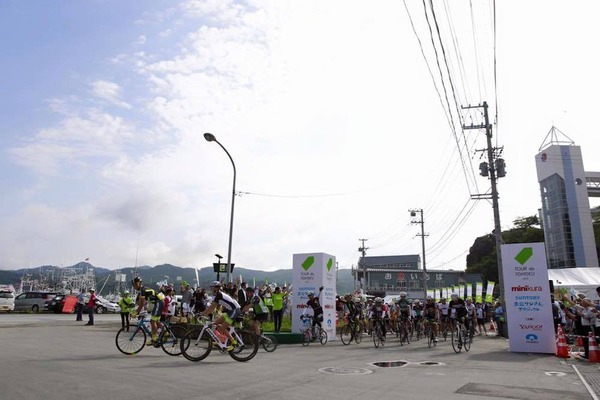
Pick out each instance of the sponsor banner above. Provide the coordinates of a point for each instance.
(527, 295)
(431, 292)
(470, 291)
(489, 292)
(445, 294)
(461, 291)
(309, 272)
(479, 292)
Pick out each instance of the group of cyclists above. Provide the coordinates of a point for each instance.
(417, 315)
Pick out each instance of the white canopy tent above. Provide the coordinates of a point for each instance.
(576, 280)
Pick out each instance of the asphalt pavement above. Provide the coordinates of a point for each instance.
(47, 357)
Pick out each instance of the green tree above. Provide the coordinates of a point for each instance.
(482, 255)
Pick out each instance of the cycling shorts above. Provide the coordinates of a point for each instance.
(231, 316)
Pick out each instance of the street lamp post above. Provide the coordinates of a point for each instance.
(219, 263)
(211, 138)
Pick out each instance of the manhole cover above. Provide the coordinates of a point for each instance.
(390, 364)
(430, 363)
(345, 371)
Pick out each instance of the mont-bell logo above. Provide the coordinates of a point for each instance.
(310, 260)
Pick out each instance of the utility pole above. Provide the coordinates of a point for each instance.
(413, 213)
(495, 168)
(363, 250)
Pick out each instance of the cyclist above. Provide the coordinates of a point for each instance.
(457, 308)
(431, 315)
(353, 312)
(378, 313)
(444, 313)
(314, 303)
(471, 316)
(147, 294)
(231, 310)
(259, 309)
(404, 309)
(480, 313)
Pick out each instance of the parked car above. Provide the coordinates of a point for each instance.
(57, 303)
(103, 305)
(33, 301)
(7, 298)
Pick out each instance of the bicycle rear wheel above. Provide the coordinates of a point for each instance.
(376, 336)
(430, 337)
(194, 347)
(247, 345)
(346, 334)
(170, 339)
(130, 340)
(269, 343)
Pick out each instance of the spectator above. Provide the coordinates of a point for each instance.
(499, 318)
(277, 298)
(186, 297)
(80, 306)
(127, 305)
(91, 306)
(200, 300)
(587, 311)
(242, 297)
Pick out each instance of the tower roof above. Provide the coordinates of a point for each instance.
(556, 137)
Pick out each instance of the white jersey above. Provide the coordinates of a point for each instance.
(444, 308)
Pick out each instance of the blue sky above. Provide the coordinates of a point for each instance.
(329, 109)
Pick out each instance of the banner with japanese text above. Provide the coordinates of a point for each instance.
(528, 304)
(489, 292)
(479, 292)
(309, 272)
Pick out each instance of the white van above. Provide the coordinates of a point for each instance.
(7, 298)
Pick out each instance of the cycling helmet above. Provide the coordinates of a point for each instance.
(136, 280)
(429, 298)
(216, 284)
(454, 296)
(402, 294)
(378, 300)
(310, 294)
(126, 292)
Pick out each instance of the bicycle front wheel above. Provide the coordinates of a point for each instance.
(170, 339)
(246, 347)
(346, 334)
(130, 340)
(269, 343)
(358, 332)
(466, 340)
(430, 337)
(455, 338)
(376, 336)
(306, 336)
(195, 347)
(322, 336)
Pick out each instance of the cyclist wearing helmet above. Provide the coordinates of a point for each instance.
(404, 309)
(314, 303)
(378, 313)
(149, 295)
(230, 307)
(444, 312)
(259, 309)
(431, 314)
(471, 316)
(127, 305)
(457, 308)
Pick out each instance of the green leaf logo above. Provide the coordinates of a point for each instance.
(524, 255)
(329, 264)
(310, 260)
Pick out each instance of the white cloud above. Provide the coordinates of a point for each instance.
(109, 91)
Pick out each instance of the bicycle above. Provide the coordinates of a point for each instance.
(132, 338)
(268, 342)
(351, 331)
(309, 335)
(377, 334)
(431, 337)
(419, 328)
(197, 344)
(403, 330)
(459, 337)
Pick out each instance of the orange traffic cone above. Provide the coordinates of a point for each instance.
(492, 329)
(594, 352)
(579, 341)
(562, 349)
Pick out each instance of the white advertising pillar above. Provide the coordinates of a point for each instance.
(311, 271)
(528, 304)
